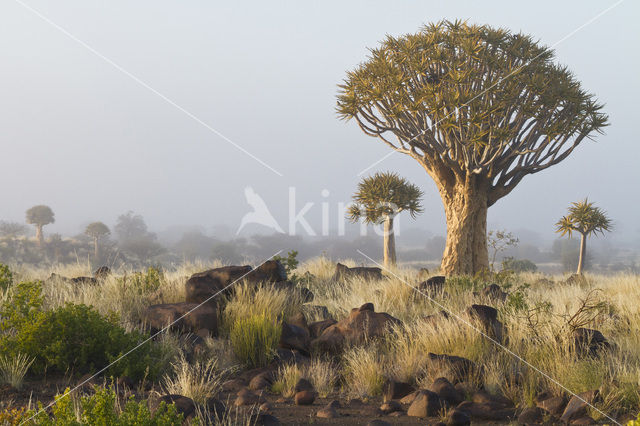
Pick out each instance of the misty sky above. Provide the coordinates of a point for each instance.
(85, 138)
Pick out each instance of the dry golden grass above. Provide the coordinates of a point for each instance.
(541, 338)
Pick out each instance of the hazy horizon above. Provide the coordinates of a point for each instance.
(89, 141)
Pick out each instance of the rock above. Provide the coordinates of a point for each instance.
(76, 280)
(426, 404)
(216, 408)
(335, 404)
(316, 328)
(589, 342)
(553, 404)
(183, 405)
(283, 400)
(233, 385)
(584, 420)
(288, 356)
(184, 317)
(247, 397)
(271, 271)
(532, 415)
(328, 412)
(303, 385)
(484, 397)
(367, 273)
(407, 400)
(378, 423)
(304, 397)
(395, 390)
(263, 419)
(299, 320)
(494, 292)
(102, 272)
(446, 391)
(577, 406)
(466, 389)
(433, 285)
(361, 325)
(205, 285)
(458, 418)
(487, 411)
(487, 316)
(435, 319)
(371, 411)
(458, 368)
(261, 381)
(295, 337)
(398, 413)
(390, 407)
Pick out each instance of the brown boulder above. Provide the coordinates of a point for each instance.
(577, 406)
(553, 404)
(589, 342)
(459, 369)
(487, 411)
(316, 328)
(184, 405)
(361, 324)
(433, 285)
(446, 391)
(487, 316)
(187, 317)
(426, 404)
(395, 390)
(203, 286)
(295, 338)
(304, 397)
(367, 273)
(458, 418)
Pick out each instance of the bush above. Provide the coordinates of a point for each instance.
(102, 409)
(6, 277)
(255, 338)
(71, 337)
(518, 265)
(145, 282)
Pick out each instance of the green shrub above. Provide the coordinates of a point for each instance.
(145, 282)
(254, 339)
(102, 409)
(518, 265)
(71, 337)
(6, 277)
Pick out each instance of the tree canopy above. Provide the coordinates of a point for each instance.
(382, 195)
(584, 218)
(471, 99)
(97, 230)
(40, 215)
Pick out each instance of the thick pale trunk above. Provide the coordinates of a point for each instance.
(465, 206)
(583, 252)
(389, 249)
(39, 235)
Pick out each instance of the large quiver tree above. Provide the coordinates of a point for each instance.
(479, 108)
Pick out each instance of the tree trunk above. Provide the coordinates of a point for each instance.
(39, 236)
(583, 252)
(96, 251)
(465, 205)
(389, 248)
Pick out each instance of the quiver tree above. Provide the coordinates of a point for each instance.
(40, 216)
(585, 219)
(479, 108)
(97, 230)
(379, 199)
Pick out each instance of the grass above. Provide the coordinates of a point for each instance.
(538, 329)
(198, 380)
(14, 368)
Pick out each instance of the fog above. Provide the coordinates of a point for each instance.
(172, 109)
